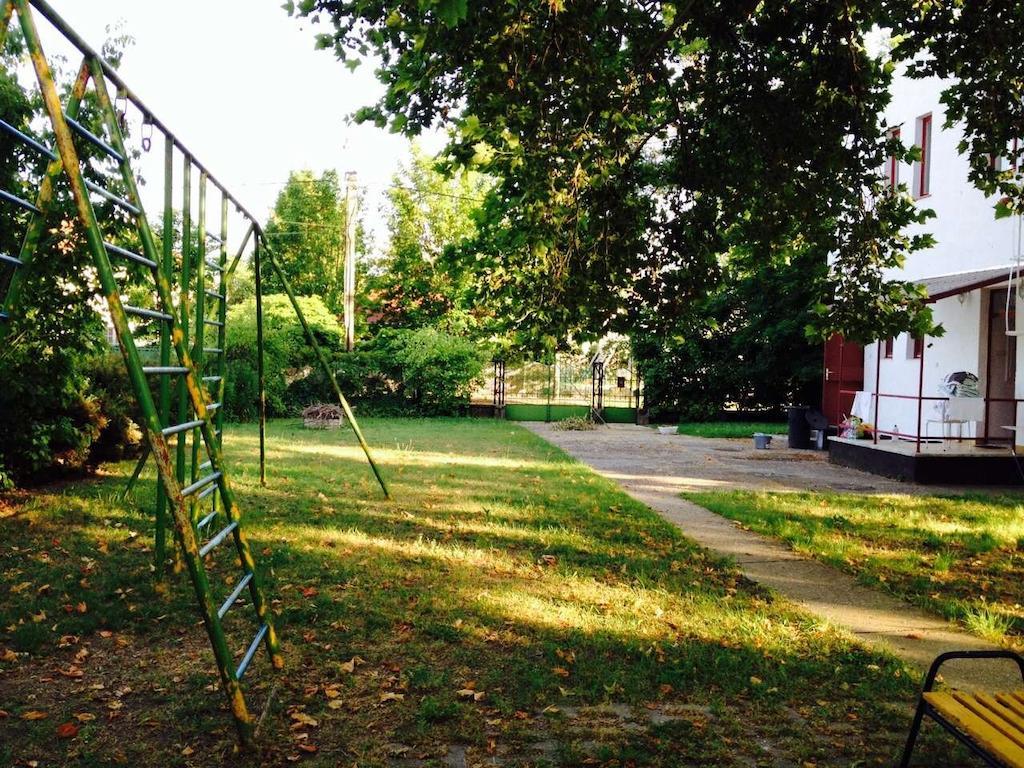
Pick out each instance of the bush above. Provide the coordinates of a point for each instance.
(288, 357)
(121, 434)
(438, 369)
(48, 420)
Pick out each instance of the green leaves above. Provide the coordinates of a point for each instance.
(1004, 208)
(451, 12)
(634, 145)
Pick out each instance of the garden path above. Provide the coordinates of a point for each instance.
(655, 469)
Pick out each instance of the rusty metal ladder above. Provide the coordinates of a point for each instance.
(74, 142)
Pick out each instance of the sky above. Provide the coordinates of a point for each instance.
(239, 82)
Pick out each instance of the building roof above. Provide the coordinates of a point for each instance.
(944, 286)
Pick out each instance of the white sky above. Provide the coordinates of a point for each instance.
(241, 85)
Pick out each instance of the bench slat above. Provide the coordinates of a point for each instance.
(994, 718)
(1016, 719)
(968, 722)
(1010, 701)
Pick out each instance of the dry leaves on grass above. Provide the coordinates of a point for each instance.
(350, 665)
(67, 731)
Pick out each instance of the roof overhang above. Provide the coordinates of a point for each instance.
(944, 286)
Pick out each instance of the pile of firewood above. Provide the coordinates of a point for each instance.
(323, 416)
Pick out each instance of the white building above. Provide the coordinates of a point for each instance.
(895, 384)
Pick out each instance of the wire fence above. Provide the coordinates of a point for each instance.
(569, 380)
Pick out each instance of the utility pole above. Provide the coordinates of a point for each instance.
(350, 260)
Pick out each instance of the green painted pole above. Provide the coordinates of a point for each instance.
(139, 465)
(184, 286)
(164, 386)
(238, 254)
(261, 381)
(330, 373)
(200, 327)
(222, 318)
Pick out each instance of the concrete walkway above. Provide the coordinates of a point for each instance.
(655, 469)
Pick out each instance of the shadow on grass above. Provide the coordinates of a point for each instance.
(537, 585)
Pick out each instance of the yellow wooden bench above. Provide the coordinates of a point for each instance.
(991, 725)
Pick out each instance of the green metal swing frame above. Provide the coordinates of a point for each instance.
(193, 406)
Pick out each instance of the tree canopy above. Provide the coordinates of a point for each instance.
(634, 142)
(307, 232)
(428, 216)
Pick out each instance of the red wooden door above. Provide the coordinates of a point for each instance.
(844, 375)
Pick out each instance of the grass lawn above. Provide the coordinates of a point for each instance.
(730, 428)
(508, 605)
(962, 557)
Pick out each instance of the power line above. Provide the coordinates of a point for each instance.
(365, 187)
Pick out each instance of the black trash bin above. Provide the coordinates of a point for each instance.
(799, 427)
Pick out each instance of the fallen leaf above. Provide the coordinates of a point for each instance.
(335, 704)
(560, 671)
(67, 731)
(84, 717)
(34, 714)
(391, 696)
(73, 672)
(8, 655)
(82, 607)
(302, 719)
(308, 748)
(187, 751)
(350, 666)
(310, 592)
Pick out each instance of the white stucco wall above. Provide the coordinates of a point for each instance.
(958, 350)
(968, 238)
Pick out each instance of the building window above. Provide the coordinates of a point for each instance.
(892, 168)
(916, 347)
(1010, 162)
(887, 352)
(923, 170)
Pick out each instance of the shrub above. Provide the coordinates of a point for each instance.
(288, 357)
(425, 371)
(48, 420)
(438, 369)
(120, 435)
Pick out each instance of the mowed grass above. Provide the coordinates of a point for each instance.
(730, 429)
(960, 556)
(506, 602)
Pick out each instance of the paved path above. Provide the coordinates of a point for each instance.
(655, 469)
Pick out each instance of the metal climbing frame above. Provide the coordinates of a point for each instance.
(188, 361)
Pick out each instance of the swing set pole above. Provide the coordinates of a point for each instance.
(265, 250)
(257, 257)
